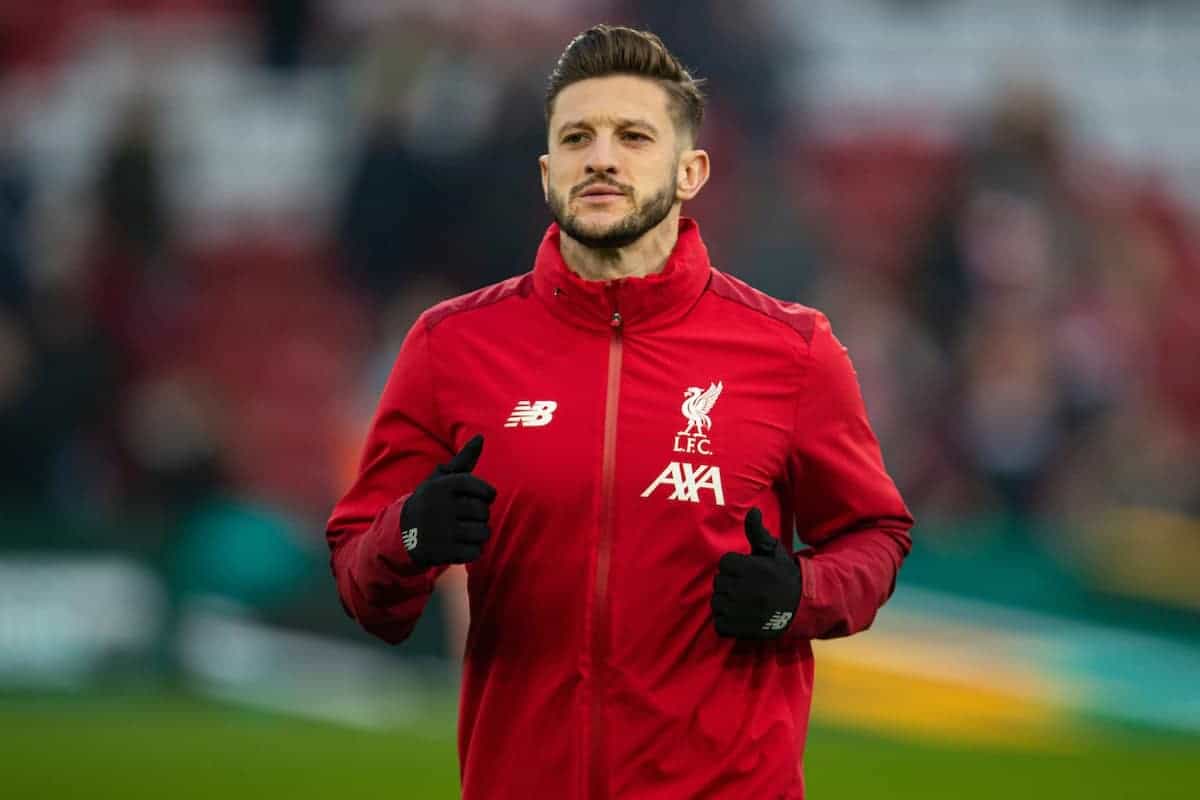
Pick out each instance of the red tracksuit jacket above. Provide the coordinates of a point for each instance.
(629, 426)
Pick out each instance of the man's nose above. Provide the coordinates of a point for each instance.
(602, 156)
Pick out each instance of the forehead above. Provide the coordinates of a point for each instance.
(613, 96)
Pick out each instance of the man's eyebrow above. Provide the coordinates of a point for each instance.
(616, 122)
(636, 123)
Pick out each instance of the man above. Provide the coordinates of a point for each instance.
(652, 425)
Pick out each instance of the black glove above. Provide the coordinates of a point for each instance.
(445, 519)
(755, 596)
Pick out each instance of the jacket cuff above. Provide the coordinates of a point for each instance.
(382, 556)
(798, 629)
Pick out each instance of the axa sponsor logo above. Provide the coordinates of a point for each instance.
(693, 483)
(532, 414)
(687, 481)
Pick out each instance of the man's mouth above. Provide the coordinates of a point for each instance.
(601, 190)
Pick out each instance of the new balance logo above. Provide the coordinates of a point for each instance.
(778, 621)
(532, 414)
(686, 481)
(409, 537)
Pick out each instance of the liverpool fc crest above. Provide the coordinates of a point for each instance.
(697, 405)
(685, 478)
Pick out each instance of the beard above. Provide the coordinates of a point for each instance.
(623, 232)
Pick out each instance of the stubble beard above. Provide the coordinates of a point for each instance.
(623, 232)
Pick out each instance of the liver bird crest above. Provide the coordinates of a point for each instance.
(696, 405)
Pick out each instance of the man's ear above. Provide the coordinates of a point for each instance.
(544, 167)
(693, 174)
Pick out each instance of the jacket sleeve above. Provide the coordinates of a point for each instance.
(847, 508)
(378, 584)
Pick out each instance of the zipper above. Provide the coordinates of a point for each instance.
(598, 767)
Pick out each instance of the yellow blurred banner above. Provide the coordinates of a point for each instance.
(944, 669)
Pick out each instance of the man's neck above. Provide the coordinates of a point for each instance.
(647, 256)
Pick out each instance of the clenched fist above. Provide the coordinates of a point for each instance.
(445, 520)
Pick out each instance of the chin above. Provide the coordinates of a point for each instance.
(615, 211)
(599, 224)
(600, 231)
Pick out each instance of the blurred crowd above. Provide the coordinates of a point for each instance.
(219, 217)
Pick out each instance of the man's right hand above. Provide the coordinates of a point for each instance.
(445, 520)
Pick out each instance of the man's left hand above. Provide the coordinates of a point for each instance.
(755, 596)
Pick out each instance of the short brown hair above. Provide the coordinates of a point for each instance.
(613, 50)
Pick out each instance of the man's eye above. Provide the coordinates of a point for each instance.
(634, 136)
(573, 138)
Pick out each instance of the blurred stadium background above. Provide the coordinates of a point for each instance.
(218, 218)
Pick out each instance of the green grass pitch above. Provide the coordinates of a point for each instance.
(175, 747)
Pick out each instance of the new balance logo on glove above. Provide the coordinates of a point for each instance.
(778, 621)
(410, 539)
(532, 414)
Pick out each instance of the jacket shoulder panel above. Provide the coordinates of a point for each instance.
(517, 286)
(799, 318)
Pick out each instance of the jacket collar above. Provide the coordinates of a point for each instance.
(640, 302)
